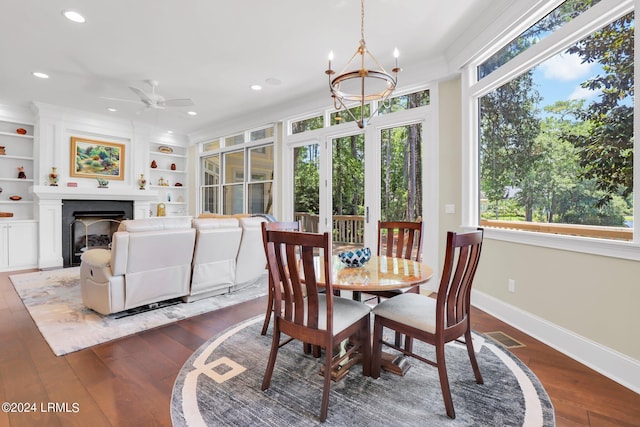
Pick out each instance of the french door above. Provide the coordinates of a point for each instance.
(373, 175)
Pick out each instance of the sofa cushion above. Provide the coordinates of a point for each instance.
(154, 224)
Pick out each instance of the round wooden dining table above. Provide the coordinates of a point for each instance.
(380, 273)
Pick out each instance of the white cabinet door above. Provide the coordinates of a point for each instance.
(21, 247)
(4, 245)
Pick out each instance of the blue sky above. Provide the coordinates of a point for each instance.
(559, 78)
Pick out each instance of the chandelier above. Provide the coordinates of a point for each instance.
(358, 83)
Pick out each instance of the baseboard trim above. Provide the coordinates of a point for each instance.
(610, 363)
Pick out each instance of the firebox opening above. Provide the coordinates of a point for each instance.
(88, 224)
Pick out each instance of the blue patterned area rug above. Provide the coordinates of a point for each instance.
(220, 386)
(54, 301)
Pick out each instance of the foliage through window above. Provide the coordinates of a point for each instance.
(550, 23)
(556, 142)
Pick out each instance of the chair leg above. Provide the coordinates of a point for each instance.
(324, 409)
(267, 316)
(472, 357)
(376, 351)
(275, 345)
(444, 381)
(365, 346)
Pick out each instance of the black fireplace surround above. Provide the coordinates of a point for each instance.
(90, 211)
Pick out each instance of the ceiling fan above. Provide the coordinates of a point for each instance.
(154, 100)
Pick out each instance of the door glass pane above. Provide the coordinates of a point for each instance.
(306, 186)
(401, 175)
(348, 192)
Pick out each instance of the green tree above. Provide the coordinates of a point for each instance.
(606, 152)
(508, 150)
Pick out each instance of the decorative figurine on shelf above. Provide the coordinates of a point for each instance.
(153, 164)
(161, 182)
(103, 183)
(142, 182)
(21, 174)
(173, 166)
(161, 210)
(53, 177)
(2, 150)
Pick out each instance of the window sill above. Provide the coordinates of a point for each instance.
(588, 245)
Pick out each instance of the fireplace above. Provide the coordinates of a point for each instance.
(90, 224)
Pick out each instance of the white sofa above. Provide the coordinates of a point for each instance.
(156, 259)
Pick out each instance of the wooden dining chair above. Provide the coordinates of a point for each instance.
(303, 311)
(270, 226)
(435, 321)
(400, 239)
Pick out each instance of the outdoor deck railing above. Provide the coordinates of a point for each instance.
(619, 233)
(346, 228)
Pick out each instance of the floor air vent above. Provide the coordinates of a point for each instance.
(504, 339)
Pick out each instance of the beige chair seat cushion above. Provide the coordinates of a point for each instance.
(345, 312)
(415, 310)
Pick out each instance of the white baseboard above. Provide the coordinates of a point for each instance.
(610, 363)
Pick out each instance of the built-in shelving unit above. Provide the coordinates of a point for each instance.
(18, 241)
(168, 177)
(18, 153)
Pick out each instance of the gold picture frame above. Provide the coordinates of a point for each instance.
(96, 159)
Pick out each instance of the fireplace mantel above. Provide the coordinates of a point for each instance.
(45, 192)
(48, 201)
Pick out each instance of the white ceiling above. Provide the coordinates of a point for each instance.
(213, 51)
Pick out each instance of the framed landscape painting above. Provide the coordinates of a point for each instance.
(96, 159)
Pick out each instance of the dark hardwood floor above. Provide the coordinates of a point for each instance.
(128, 382)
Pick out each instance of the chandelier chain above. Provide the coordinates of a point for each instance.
(362, 21)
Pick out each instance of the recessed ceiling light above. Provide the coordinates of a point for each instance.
(169, 131)
(74, 16)
(113, 110)
(256, 87)
(192, 113)
(40, 75)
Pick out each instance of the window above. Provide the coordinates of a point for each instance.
(555, 129)
(540, 30)
(238, 178)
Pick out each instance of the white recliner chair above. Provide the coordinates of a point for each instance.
(149, 261)
(251, 261)
(214, 258)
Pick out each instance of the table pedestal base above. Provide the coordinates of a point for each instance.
(396, 364)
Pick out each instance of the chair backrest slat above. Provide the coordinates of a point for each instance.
(461, 261)
(292, 267)
(401, 239)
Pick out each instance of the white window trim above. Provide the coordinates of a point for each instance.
(597, 16)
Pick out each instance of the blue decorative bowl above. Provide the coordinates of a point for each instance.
(356, 258)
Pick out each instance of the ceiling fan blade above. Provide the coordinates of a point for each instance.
(143, 96)
(133, 101)
(184, 102)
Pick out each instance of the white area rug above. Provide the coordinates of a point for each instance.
(54, 301)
